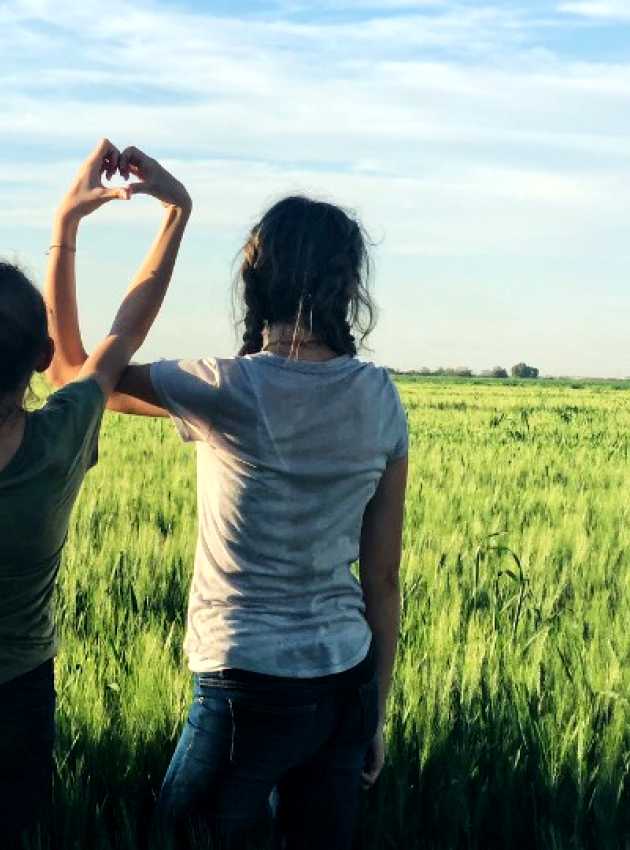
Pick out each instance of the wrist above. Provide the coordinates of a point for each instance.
(180, 211)
(184, 201)
(65, 227)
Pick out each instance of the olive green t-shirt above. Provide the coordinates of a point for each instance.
(38, 489)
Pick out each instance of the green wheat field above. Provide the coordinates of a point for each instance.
(510, 717)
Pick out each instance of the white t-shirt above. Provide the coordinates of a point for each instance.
(289, 453)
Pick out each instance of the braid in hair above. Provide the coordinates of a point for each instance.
(342, 295)
(254, 298)
(330, 307)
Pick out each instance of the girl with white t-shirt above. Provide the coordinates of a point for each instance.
(302, 463)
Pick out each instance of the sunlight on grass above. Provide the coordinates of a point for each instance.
(510, 721)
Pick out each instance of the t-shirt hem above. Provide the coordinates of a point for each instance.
(27, 668)
(204, 666)
(101, 399)
(98, 389)
(398, 455)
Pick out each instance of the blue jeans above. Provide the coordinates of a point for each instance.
(248, 734)
(27, 734)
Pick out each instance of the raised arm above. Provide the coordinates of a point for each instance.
(84, 196)
(379, 565)
(146, 292)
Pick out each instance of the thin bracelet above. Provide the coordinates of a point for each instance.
(61, 245)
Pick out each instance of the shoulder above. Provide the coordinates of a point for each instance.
(392, 392)
(379, 375)
(78, 398)
(199, 393)
(391, 411)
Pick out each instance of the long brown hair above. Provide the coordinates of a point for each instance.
(23, 329)
(307, 262)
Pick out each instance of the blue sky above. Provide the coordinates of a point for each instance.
(486, 147)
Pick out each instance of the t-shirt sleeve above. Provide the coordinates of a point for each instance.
(398, 430)
(77, 410)
(190, 391)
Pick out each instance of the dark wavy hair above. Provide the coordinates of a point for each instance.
(23, 329)
(307, 262)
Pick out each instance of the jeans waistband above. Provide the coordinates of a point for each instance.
(40, 676)
(235, 678)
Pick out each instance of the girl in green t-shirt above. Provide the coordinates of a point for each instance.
(44, 456)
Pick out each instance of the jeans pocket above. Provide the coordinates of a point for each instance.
(269, 734)
(208, 731)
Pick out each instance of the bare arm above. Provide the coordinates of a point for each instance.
(84, 196)
(379, 565)
(146, 292)
(135, 393)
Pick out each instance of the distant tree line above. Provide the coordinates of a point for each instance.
(520, 370)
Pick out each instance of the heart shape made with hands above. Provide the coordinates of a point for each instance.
(109, 174)
(123, 170)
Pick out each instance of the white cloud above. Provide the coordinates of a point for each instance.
(598, 10)
(314, 96)
(455, 129)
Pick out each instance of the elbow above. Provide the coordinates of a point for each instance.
(390, 583)
(383, 580)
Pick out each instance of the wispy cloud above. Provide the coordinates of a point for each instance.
(457, 129)
(598, 10)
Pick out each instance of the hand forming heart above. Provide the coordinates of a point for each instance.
(87, 192)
